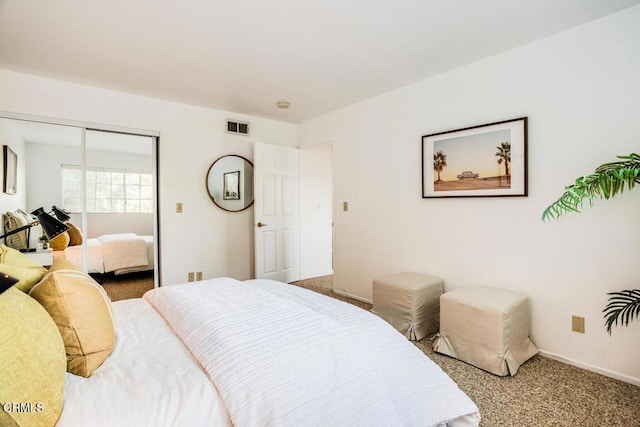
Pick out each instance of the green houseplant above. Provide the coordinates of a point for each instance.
(44, 241)
(605, 182)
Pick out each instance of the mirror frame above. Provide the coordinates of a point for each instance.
(84, 126)
(206, 182)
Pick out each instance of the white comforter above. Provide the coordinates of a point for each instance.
(150, 379)
(123, 251)
(118, 253)
(282, 355)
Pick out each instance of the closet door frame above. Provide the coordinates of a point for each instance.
(84, 126)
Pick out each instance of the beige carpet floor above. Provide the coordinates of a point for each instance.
(126, 286)
(544, 392)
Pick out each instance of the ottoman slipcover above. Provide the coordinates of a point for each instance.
(486, 327)
(410, 302)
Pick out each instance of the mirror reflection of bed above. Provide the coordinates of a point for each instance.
(118, 226)
(123, 263)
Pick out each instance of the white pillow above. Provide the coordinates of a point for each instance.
(17, 219)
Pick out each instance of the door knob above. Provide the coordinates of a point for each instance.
(260, 225)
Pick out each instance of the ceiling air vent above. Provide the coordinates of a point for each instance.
(238, 128)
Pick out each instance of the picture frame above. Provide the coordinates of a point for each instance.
(488, 160)
(10, 170)
(231, 188)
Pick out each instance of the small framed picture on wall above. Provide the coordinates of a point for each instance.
(10, 168)
(231, 189)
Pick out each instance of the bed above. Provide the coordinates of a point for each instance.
(223, 352)
(150, 379)
(218, 352)
(118, 253)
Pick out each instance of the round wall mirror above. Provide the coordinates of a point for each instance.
(230, 183)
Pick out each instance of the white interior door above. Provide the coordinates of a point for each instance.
(276, 212)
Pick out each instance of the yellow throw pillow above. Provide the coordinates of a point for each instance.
(82, 311)
(60, 242)
(11, 256)
(27, 276)
(32, 364)
(75, 234)
(21, 267)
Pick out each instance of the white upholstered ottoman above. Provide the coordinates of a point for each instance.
(410, 302)
(486, 327)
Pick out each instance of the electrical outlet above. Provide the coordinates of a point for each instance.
(179, 207)
(345, 206)
(190, 276)
(577, 324)
(198, 275)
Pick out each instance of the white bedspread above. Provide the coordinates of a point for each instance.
(123, 251)
(283, 355)
(94, 252)
(150, 380)
(96, 262)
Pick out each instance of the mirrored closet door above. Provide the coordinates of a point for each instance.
(105, 179)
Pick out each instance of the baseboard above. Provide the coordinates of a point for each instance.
(586, 366)
(347, 294)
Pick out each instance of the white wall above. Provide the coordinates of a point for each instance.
(44, 182)
(316, 211)
(580, 90)
(204, 237)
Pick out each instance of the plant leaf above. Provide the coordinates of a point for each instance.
(608, 180)
(622, 307)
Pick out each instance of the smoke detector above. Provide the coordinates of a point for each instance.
(283, 104)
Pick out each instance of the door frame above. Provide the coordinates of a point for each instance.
(306, 247)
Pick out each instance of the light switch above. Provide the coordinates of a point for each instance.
(179, 207)
(345, 206)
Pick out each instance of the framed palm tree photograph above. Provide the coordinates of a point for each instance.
(478, 161)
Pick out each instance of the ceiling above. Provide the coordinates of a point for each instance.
(50, 134)
(246, 55)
